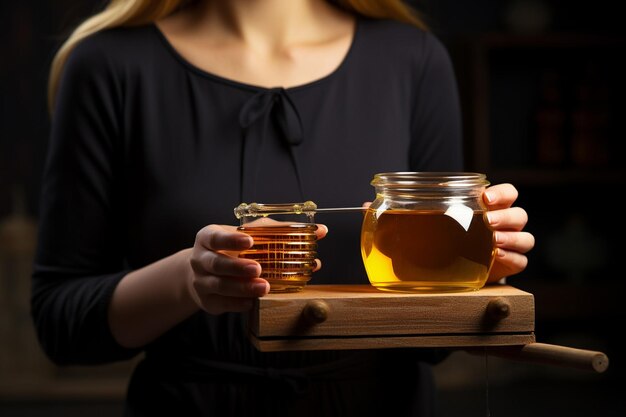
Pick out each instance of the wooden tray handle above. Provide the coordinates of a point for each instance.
(551, 355)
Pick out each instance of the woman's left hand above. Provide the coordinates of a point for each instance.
(508, 222)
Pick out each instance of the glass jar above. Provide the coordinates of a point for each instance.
(285, 242)
(427, 232)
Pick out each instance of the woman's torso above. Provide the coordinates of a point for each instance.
(193, 145)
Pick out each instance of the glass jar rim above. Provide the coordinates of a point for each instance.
(430, 179)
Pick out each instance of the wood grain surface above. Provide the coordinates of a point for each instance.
(362, 317)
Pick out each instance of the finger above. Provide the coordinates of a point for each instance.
(216, 237)
(514, 218)
(211, 285)
(500, 196)
(216, 263)
(318, 265)
(322, 231)
(521, 242)
(507, 263)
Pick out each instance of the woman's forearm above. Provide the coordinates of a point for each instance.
(149, 301)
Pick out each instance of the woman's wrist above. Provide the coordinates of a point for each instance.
(186, 292)
(151, 300)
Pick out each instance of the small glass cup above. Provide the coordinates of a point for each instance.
(285, 243)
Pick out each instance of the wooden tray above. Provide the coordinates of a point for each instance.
(361, 317)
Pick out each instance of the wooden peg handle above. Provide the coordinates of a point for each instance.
(553, 355)
(498, 308)
(316, 311)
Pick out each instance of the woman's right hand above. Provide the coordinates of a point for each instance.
(220, 281)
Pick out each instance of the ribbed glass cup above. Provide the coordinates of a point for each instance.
(285, 243)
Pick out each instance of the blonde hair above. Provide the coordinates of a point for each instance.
(139, 12)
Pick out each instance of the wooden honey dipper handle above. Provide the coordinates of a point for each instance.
(553, 355)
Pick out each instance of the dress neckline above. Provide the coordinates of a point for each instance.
(252, 87)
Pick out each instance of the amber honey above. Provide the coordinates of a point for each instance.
(286, 253)
(427, 250)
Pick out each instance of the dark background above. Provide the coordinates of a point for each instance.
(542, 89)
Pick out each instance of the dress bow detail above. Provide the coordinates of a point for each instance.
(276, 104)
(269, 115)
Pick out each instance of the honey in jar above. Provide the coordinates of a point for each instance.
(427, 232)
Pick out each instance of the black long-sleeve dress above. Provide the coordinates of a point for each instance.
(146, 149)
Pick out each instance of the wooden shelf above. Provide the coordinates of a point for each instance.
(361, 317)
(497, 320)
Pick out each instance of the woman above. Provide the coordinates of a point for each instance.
(166, 115)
